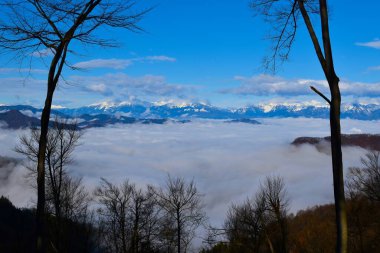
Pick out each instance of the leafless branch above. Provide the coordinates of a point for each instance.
(320, 94)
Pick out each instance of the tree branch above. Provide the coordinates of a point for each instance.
(320, 94)
(313, 36)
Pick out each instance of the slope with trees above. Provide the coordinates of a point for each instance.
(252, 227)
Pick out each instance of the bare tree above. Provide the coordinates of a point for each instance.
(138, 200)
(34, 25)
(62, 139)
(245, 225)
(145, 218)
(66, 197)
(115, 201)
(252, 225)
(130, 217)
(363, 192)
(284, 15)
(182, 205)
(277, 203)
(366, 179)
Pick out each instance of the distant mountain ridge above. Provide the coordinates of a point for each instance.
(150, 113)
(205, 111)
(366, 141)
(198, 110)
(14, 119)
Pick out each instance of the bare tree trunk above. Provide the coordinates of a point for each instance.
(123, 233)
(336, 142)
(54, 74)
(178, 233)
(40, 216)
(135, 236)
(336, 152)
(327, 65)
(269, 242)
(284, 235)
(115, 235)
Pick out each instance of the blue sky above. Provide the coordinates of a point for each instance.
(207, 51)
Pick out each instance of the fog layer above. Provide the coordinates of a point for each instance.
(226, 160)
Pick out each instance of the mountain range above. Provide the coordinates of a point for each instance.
(150, 113)
(205, 111)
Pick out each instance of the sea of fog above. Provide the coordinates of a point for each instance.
(226, 160)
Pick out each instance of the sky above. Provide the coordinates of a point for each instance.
(205, 51)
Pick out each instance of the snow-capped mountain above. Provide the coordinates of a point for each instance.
(143, 112)
(199, 110)
(152, 110)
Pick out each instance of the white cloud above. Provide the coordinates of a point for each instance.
(104, 63)
(22, 90)
(47, 52)
(373, 44)
(121, 86)
(121, 63)
(227, 161)
(266, 85)
(366, 100)
(99, 88)
(84, 90)
(375, 68)
(161, 58)
(360, 89)
(22, 70)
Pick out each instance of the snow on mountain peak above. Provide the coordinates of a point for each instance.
(103, 105)
(181, 109)
(172, 103)
(268, 107)
(315, 103)
(56, 107)
(178, 103)
(357, 107)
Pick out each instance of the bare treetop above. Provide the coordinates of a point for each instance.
(283, 17)
(34, 25)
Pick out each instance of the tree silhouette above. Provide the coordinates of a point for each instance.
(115, 201)
(284, 16)
(33, 25)
(182, 205)
(261, 222)
(366, 179)
(66, 197)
